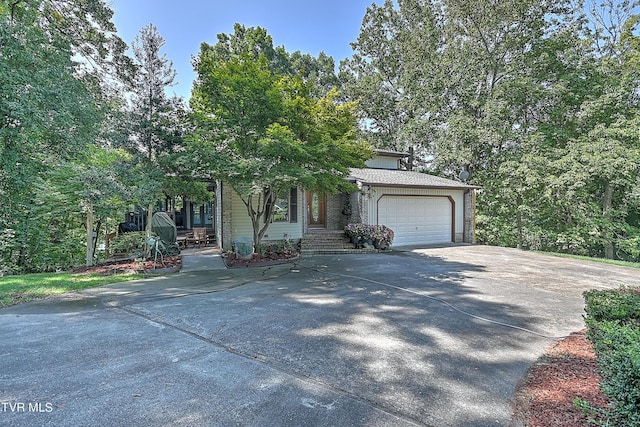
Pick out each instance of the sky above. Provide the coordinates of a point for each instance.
(309, 26)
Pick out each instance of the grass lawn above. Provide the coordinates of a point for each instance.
(602, 260)
(28, 287)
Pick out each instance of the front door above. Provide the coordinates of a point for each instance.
(316, 209)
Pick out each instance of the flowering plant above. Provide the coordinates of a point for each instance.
(357, 230)
(381, 235)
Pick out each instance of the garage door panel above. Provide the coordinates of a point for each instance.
(416, 219)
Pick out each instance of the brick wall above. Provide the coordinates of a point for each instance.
(336, 203)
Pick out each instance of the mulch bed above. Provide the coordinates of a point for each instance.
(130, 266)
(567, 371)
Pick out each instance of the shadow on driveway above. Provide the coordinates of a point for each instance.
(333, 340)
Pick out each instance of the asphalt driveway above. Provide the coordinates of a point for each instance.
(436, 336)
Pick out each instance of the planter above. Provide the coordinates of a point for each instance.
(381, 245)
(244, 248)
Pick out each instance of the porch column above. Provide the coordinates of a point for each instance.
(469, 216)
(226, 240)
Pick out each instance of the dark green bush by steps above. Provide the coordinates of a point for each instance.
(613, 319)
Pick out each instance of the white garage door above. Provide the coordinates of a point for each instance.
(416, 220)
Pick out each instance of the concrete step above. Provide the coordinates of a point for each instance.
(325, 241)
(337, 251)
(324, 235)
(329, 242)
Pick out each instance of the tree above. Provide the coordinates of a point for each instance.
(261, 131)
(156, 120)
(575, 169)
(430, 75)
(61, 62)
(47, 114)
(151, 107)
(375, 75)
(537, 100)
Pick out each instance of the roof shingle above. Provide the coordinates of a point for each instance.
(400, 178)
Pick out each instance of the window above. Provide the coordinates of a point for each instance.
(285, 207)
(281, 208)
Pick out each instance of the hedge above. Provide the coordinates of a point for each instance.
(613, 321)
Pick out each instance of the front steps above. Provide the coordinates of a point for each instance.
(317, 242)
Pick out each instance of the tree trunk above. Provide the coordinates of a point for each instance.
(89, 235)
(149, 219)
(149, 231)
(95, 236)
(519, 221)
(606, 213)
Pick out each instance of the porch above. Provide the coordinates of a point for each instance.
(196, 237)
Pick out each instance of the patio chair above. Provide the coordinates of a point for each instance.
(200, 236)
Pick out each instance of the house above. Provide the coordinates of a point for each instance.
(419, 208)
(185, 213)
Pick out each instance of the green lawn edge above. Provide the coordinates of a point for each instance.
(29, 287)
(600, 260)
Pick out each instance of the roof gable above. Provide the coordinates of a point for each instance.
(385, 159)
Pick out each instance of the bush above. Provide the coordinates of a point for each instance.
(132, 244)
(380, 235)
(278, 248)
(613, 319)
(622, 305)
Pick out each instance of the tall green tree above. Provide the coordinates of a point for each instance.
(570, 184)
(59, 59)
(262, 132)
(47, 114)
(537, 100)
(430, 75)
(375, 74)
(157, 124)
(151, 107)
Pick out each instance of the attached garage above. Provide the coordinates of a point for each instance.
(418, 219)
(421, 209)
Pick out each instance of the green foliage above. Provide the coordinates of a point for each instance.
(278, 248)
(60, 63)
(48, 115)
(537, 100)
(622, 305)
(613, 318)
(130, 244)
(380, 235)
(259, 128)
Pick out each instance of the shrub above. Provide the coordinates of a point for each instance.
(277, 248)
(129, 243)
(613, 319)
(381, 235)
(622, 304)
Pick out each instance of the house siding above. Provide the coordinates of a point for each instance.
(241, 224)
(371, 197)
(383, 163)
